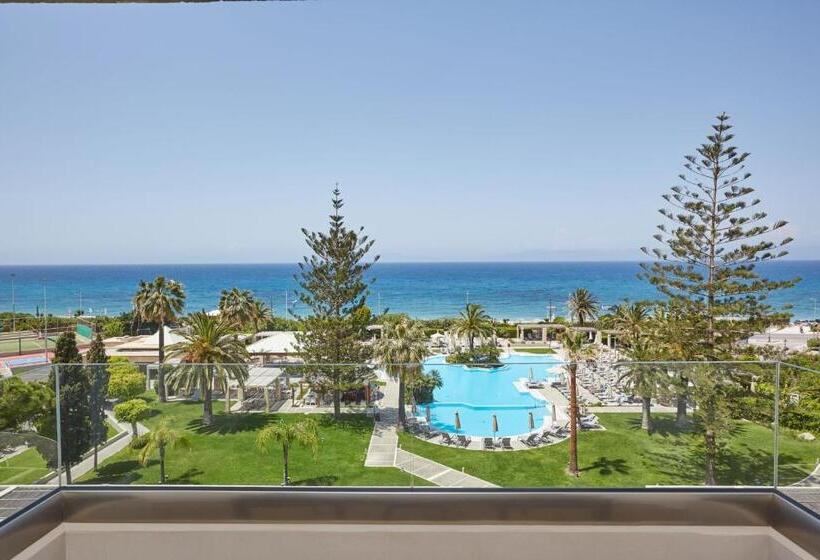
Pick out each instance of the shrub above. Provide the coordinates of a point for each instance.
(485, 355)
(126, 381)
(813, 343)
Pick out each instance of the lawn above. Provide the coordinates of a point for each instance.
(625, 456)
(25, 468)
(225, 453)
(530, 350)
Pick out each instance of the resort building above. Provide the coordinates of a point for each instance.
(274, 347)
(140, 349)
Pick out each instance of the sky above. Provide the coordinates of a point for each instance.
(458, 131)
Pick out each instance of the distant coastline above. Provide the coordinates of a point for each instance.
(509, 290)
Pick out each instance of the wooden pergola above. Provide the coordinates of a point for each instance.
(544, 328)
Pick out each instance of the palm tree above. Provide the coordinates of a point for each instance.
(159, 439)
(644, 379)
(236, 307)
(159, 302)
(574, 344)
(583, 306)
(473, 322)
(209, 354)
(632, 320)
(260, 314)
(305, 432)
(401, 348)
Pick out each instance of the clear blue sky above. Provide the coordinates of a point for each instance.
(458, 130)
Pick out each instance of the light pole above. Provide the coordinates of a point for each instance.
(13, 310)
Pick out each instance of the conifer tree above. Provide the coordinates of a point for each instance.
(75, 410)
(713, 240)
(98, 372)
(334, 288)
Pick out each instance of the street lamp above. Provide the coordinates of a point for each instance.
(13, 310)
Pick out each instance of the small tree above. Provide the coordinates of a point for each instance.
(401, 349)
(644, 379)
(132, 412)
(158, 441)
(305, 432)
(22, 403)
(334, 288)
(583, 307)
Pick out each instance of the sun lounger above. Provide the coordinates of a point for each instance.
(505, 443)
(446, 439)
(463, 441)
(489, 444)
(531, 440)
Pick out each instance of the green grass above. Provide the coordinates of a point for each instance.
(625, 456)
(25, 468)
(225, 453)
(530, 350)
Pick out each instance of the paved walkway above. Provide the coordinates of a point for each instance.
(87, 464)
(383, 450)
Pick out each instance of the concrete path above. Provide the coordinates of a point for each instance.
(87, 464)
(437, 473)
(383, 450)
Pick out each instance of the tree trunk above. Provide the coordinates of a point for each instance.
(96, 445)
(573, 420)
(207, 405)
(680, 419)
(337, 404)
(134, 429)
(161, 371)
(227, 397)
(402, 412)
(711, 456)
(285, 463)
(470, 342)
(162, 464)
(68, 474)
(646, 414)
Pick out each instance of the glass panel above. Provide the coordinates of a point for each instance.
(28, 447)
(799, 447)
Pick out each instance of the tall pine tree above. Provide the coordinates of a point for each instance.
(75, 406)
(334, 288)
(714, 239)
(97, 370)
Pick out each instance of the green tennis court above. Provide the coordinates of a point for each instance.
(25, 345)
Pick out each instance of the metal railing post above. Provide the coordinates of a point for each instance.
(58, 426)
(776, 438)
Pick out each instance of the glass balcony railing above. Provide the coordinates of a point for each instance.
(638, 424)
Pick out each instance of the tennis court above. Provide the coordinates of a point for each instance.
(10, 344)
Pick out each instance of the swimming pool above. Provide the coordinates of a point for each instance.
(479, 393)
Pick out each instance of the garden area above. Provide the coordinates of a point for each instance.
(226, 452)
(625, 456)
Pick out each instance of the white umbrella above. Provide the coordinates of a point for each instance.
(532, 421)
(458, 422)
(554, 419)
(495, 424)
(531, 374)
(427, 413)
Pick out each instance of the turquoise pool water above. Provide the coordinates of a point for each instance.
(477, 394)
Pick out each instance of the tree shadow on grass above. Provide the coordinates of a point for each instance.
(327, 480)
(121, 472)
(662, 426)
(606, 466)
(188, 477)
(230, 424)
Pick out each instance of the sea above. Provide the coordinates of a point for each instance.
(514, 291)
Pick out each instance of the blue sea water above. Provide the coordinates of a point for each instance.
(507, 290)
(478, 394)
